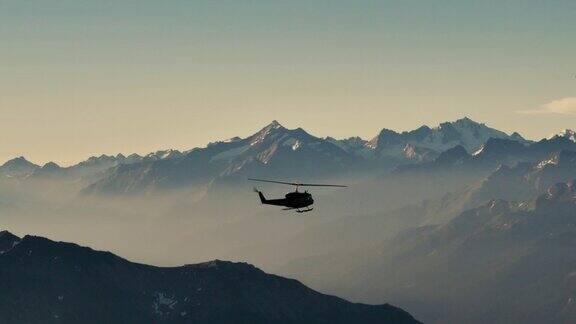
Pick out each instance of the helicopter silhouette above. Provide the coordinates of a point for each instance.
(292, 200)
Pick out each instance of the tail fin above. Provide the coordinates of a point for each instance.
(262, 198)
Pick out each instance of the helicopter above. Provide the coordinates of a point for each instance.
(292, 200)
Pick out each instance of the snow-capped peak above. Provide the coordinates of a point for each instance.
(270, 129)
(567, 133)
(466, 122)
(274, 125)
(466, 132)
(162, 155)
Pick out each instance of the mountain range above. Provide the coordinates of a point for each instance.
(55, 282)
(274, 151)
(90, 169)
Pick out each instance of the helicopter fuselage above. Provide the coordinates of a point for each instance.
(293, 199)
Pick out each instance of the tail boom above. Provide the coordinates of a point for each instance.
(275, 202)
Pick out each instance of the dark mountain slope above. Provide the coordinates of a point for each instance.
(54, 282)
(7, 241)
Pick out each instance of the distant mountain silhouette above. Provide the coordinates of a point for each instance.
(17, 167)
(55, 282)
(86, 171)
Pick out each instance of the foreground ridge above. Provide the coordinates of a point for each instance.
(56, 282)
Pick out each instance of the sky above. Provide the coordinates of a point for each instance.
(81, 78)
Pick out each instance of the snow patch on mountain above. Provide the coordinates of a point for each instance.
(230, 154)
(465, 132)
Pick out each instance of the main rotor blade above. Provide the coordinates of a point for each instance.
(299, 184)
(320, 185)
(272, 181)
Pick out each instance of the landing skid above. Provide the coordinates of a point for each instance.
(304, 210)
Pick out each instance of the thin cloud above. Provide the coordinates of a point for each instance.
(564, 106)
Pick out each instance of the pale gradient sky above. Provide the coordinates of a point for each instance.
(86, 77)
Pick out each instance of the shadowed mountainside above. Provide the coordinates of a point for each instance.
(54, 282)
